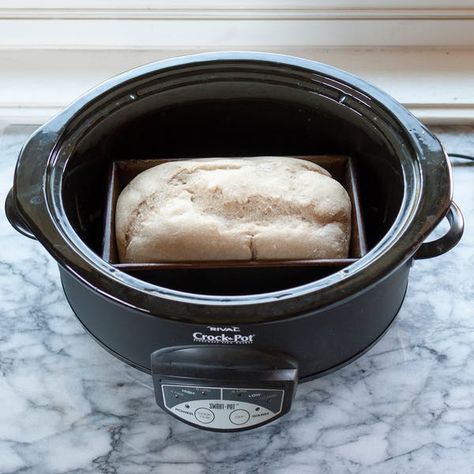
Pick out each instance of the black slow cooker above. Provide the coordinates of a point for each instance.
(231, 360)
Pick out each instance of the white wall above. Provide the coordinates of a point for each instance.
(420, 51)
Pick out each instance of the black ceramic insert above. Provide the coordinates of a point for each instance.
(232, 104)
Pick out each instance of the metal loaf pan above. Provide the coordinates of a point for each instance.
(342, 168)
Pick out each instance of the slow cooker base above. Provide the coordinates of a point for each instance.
(323, 373)
(306, 378)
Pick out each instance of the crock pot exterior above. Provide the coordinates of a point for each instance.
(320, 340)
(37, 191)
(230, 363)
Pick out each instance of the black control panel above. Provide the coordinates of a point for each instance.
(221, 388)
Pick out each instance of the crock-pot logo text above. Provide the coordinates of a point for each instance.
(223, 335)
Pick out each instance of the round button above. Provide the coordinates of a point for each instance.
(239, 417)
(204, 415)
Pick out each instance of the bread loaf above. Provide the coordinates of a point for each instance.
(233, 209)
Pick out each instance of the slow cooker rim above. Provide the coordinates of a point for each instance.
(60, 124)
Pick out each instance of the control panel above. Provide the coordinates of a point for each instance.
(221, 388)
(222, 408)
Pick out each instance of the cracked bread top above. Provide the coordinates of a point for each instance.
(233, 209)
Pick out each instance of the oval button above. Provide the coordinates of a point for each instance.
(204, 415)
(239, 417)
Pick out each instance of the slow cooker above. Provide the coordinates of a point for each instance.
(231, 360)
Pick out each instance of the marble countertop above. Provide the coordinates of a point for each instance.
(406, 406)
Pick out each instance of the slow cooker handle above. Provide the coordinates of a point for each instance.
(14, 216)
(447, 241)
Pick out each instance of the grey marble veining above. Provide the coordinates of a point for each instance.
(407, 406)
